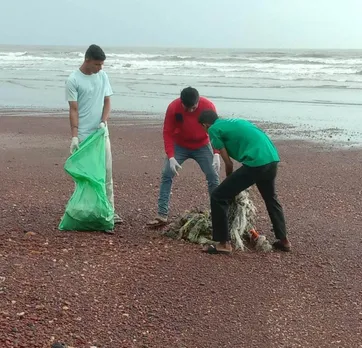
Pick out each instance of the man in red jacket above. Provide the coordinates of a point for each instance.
(185, 138)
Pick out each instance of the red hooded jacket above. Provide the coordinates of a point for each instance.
(183, 128)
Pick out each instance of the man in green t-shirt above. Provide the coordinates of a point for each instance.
(245, 143)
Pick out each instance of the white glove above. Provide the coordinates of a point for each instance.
(216, 162)
(74, 145)
(174, 165)
(102, 125)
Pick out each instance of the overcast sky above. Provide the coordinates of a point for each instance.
(185, 23)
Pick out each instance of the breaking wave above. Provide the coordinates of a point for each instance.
(336, 69)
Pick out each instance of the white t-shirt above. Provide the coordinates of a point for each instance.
(89, 91)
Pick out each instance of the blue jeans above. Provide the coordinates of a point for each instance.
(203, 156)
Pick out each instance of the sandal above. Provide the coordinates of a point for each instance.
(157, 222)
(212, 250)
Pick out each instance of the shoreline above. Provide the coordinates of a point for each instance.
(329, 138)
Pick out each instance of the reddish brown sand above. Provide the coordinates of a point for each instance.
(138, 289)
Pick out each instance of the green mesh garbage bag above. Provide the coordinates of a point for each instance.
(88, 209)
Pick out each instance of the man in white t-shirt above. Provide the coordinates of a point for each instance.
(88, 93)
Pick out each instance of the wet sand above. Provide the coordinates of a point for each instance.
(138, 289)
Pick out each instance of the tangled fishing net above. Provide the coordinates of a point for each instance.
(195, 225)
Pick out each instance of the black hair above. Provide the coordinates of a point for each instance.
(189, 97)
(94, 52)
(208, 117)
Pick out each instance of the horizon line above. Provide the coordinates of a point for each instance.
(176, 47)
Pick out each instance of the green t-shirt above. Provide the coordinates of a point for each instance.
(244, 142)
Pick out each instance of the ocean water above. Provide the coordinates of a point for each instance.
(315, 89)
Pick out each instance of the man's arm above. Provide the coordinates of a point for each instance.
(71, 93)
(218, 144)
(108, 92)
(212, 107)
(73, 118)
(168, 129)
(229, 166)
(106, 109)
